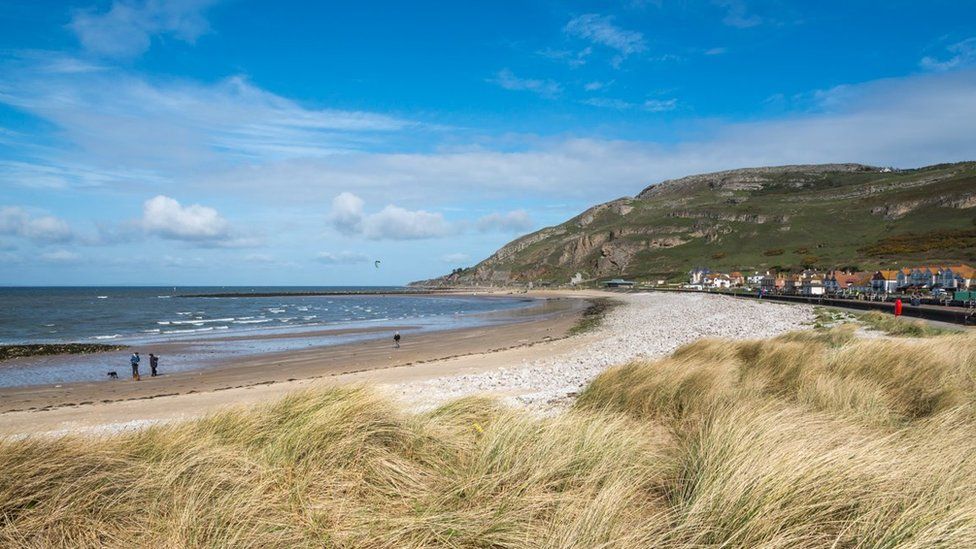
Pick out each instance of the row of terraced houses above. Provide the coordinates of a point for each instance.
(810, 282)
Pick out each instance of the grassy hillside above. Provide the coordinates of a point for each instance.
(753, 219)
(808, 440)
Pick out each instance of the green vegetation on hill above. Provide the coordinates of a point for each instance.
(784, 218)
(813, 439)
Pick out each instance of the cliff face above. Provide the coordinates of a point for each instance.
(828, 215)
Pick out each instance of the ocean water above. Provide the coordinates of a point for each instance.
(148, 314)
(210, 329)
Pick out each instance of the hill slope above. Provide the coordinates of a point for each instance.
(786, 217)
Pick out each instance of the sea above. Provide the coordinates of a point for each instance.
(144, 317)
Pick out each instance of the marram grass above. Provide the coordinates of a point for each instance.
(815, 439)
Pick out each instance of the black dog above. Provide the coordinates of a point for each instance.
(113, 375)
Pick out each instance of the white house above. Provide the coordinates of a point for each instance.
(698, 274)
(755, 279)
(884, 281)
(812, 285)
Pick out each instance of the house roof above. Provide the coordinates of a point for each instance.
(888, 275)
(963, 270)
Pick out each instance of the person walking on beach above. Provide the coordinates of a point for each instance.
(153, 363)
(396, 340)
(134, 361)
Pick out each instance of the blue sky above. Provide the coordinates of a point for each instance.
(241, 142)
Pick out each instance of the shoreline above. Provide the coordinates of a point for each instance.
(536, 365)
(551, 320)
(199, 351)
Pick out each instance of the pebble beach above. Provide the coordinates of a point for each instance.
(642, 326)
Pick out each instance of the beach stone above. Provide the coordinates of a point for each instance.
(645, 326)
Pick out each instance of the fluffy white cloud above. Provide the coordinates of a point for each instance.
(545, 88)
(128, 27)
(16, 221)
(391, 223)
(347, 213)
(341, 258)
(167, 218)
(396, 223)
(600, 29)
(516, 221)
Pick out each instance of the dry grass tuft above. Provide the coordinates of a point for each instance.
(812, 439)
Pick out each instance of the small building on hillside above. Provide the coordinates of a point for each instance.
(619, 283)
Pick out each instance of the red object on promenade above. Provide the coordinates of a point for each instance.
(898, 307)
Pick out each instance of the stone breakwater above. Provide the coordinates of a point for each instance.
(645, 326)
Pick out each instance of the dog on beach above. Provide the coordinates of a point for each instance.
(113, 375)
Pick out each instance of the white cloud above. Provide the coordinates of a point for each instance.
(516, 221)
(16, 221)
(608, 103)
(160, 127)
(600, 30)
(907, 122)
(455, 259)
(596, 85)
(574, 59)
(60, 256)
(962, 54)
(127, 28)
(716, 51)
(391, 223)
(737, 14)
(545, 88)
(396, 223)
(347, 213)
(167, 218)
(341, 258)
(659, 105)
(651, 105)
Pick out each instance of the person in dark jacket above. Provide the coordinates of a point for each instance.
(134, 362)
(153, 364)
(396, 340)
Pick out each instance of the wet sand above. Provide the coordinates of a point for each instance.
(48, 408)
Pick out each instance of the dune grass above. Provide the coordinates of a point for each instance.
(900, 326)
(811, 439)
(814, 439)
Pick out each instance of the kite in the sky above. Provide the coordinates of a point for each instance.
(376, 264)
